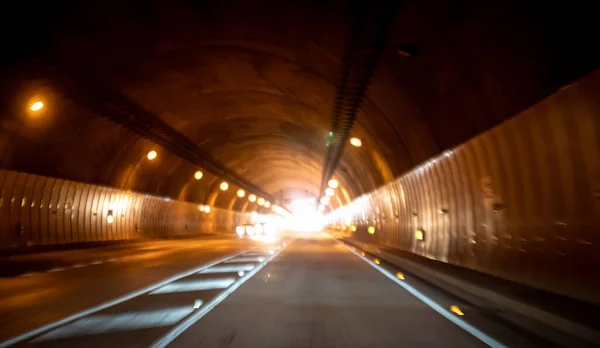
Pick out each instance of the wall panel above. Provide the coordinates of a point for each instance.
(522, 200)
(37, 210)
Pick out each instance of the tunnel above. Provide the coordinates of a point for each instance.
(451, 146)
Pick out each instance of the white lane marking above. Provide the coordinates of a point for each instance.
(58, 269)
(98, 324)
(436, 307)
(263, 254)
(27, 274)
(246, 259)
(78, 265)
(111, 303)
(194, 285)
(192, 319)
(230, 268)
(112, 259)
(97, 262)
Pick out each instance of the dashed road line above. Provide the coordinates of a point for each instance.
(58, 269)
(92, 310)
(194, 317)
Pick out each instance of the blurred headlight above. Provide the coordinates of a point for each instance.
(239, 230)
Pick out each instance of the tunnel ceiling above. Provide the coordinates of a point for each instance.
(253, 82)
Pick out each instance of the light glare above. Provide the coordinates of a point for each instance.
(354, 141)
(329, 191)
(224, 186)
(261, 201)
(333, 183)
(240, 230)
(38, 105)
(152, 155)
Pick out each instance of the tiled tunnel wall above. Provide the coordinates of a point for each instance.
(520, 202)
(37, 210)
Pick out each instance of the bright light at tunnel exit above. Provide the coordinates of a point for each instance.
(305, 217)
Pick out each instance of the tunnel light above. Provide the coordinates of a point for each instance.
(333, 183)
(321, 207)
(36, 106)
(329, 191)
(241, 193)
(250, 230)
(224, 186)
(252, 198)
(419, 235)
(201, 208)
(354, 141)
(371, 230)
(198, 175)
(267, 204)
(400, 275)
(110, 219)
(207, 209)
(353, 228)
(456, 310)
(240, 230)
(362, 253)
(325, 200)
(260, 201)
(151, 155)
(377, 262)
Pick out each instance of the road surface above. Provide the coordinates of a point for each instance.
(306, 291)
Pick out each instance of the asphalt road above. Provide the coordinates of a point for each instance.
(310, 291)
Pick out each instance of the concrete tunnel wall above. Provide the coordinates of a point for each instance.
(520, 202)
(38, 210)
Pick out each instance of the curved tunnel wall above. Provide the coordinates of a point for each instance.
(37, 210)
(520, 202)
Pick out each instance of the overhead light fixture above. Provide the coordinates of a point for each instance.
(329, 191)
(201, 207)
(241, 193)
(198, 175)
(260, 201)
(371, 230)
(252, 198)
(151, 155)
(325, 200)
(207, 209)
(224, 186)
(36, 106)
(333, 183)
(267, 204)
(354, 141)
(353, 228)
(321, 207)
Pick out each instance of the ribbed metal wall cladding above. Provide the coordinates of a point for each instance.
(38, 210)
(520, 202)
